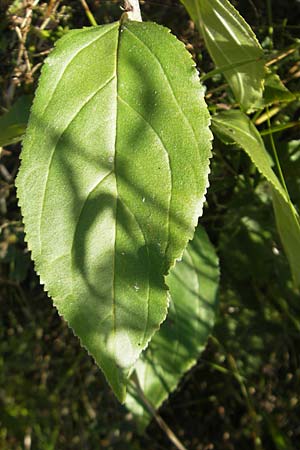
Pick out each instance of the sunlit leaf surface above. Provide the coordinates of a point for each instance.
(112, 181)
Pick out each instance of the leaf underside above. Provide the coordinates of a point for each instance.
(114, 171)
(233, 46)
(175, 348)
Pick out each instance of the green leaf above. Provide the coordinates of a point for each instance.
(234, 126)
(176, 347)
(114, 172)
(233, 47)
(13, 123)
(288, 226)
(275, 91)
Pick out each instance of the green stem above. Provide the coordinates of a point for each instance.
(276, 156)
(227, 67)
(250, 406)
(270, 17)
(279, 128)
(233, 369)
(88, 13)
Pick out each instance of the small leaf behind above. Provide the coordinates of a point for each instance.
(176, 347)
(13, 123)
(234, 126)
(233, 46)
(275, 91)
(288, 226)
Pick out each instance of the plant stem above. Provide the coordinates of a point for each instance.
(88, 13)
(251, 410)
(270, 19)
(276, 157)
(132, 8)
(227, 67)
(233, 369)
(267, 115)
(282, 55)
(162, 424)
(278, 128)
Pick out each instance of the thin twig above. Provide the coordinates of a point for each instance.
(52, 7)
(36, 67)
(22, 32)
(160, 421)
(281, 56)
(89, 13)
(132, 9)
(267, 115)
(249, 403)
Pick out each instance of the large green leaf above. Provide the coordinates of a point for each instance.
(176, 347)
(113, 177)
(13, 123)
(233, 47)
(234, 126)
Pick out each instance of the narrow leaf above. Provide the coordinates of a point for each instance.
(113, 177)
(236, 127)
(288, 226)
(233, 46)
(176, 347)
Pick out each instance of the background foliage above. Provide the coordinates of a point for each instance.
(244, 391)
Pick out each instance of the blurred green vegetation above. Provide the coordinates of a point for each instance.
(244, 393)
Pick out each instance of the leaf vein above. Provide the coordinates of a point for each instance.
(82, 208)
(169, 84)
(168, 159)
(147, 249)
(68, 64)
(56, 146)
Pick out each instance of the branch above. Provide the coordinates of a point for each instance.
(88, 13)
(160, 421)
(132, 8)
